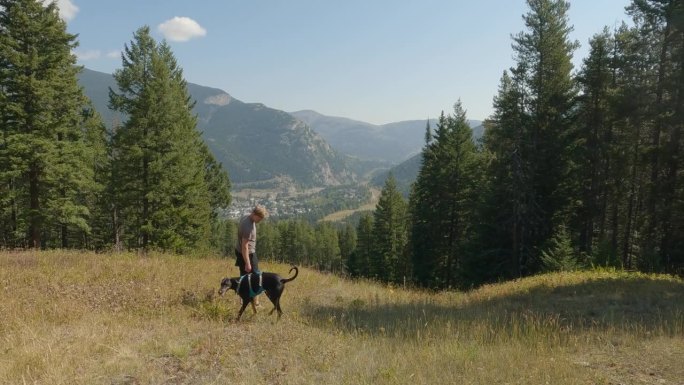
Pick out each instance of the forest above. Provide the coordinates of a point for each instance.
(578, 167)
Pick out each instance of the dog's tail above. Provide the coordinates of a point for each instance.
(296, 270)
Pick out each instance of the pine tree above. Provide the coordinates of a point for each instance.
(643, 139)
(297, 241)
(536, 115)
(443, 203)
(161, 196)
(98, 198)
(358, 264)
(388, 262)
(326, 251)
(224, 237)
(632, 102)
(268, 242)
(348, 240)
(595, 125)
(504, 239)
(217, 181)
(559, 254)
(422, 208)
(661, 33)
(44, 169)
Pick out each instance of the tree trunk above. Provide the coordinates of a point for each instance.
(35, 222)
(65, 236)
(627, 240)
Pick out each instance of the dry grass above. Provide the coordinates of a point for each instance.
(80, 318)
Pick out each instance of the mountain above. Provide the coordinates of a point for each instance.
(405, 174)
(392, 143)
(257, 143)
(407, 171)
(96, 86)
(254, 143)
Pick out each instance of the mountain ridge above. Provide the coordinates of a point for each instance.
(254, 143)
(262, 146)
(393, 142)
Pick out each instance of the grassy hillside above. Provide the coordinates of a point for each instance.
(76, 318)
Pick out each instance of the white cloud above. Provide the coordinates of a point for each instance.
(95, 54)
(88, 55)
(181, 29)
(67, 9)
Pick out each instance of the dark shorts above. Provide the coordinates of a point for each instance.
(240, 262)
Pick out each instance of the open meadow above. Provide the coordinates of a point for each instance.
(85, 318)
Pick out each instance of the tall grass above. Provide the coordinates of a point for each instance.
(82, 318)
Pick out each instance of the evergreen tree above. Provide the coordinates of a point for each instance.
(611, 112)
(632, 101)
(217, 181)
(660, 27)
(98, 199)
(297, 242)
(595, 125)
(421, 209)
(443, 203)
(639, 165)
(224, 237)
(326, 253)
(559, 255)
(358, 264)
(162, 197)
(536, 115)
(268, 242)
(44, 169)
(348, 240)
(503, 237)
(388, 262)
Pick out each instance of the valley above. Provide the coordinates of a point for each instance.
(309, 203)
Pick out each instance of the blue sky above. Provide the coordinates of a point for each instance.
(378, 61)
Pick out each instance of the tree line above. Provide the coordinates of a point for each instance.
(577, 167)
(65, 181)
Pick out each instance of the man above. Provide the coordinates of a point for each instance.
(245, 248)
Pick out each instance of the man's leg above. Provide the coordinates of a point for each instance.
(255, 267)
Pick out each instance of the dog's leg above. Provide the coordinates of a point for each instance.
(242, 308)
(280, 311)
(274, 300)
(277, 307)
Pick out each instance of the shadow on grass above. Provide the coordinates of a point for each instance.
(637, 305)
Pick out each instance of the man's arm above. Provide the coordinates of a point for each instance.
(245, 254)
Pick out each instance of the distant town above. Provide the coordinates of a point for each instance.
(277, 207)
(291, 204)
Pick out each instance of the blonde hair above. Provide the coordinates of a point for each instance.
(260, 211)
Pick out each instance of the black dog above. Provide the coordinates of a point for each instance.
(249, 285)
